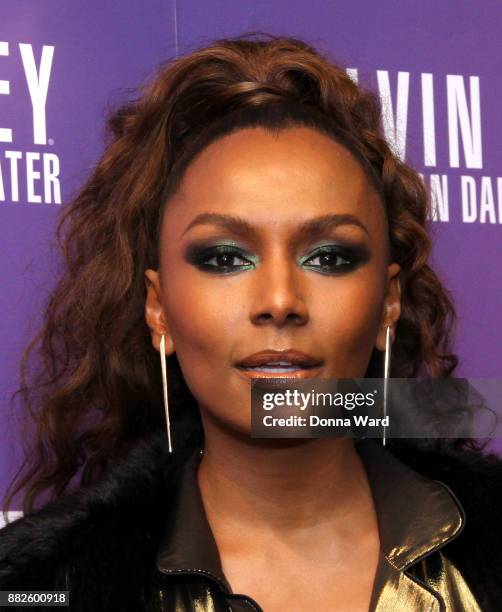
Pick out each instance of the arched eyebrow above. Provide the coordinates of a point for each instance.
(306, 229)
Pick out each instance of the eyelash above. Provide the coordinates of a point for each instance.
(349, 258)
(201, 258)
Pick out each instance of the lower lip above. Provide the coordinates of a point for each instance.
(300, 373)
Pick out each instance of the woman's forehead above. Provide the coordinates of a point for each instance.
(278, 179)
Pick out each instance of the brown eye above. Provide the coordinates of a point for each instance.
(331, 260)
(220, 259)
(224, 260)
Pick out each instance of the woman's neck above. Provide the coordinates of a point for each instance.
(283, 488)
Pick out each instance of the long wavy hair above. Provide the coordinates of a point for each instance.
(95, 388)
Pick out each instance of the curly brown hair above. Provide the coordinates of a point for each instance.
(96, 388)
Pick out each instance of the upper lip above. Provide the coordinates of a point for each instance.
(269, 357)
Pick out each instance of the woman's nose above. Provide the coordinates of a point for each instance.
(278, 295)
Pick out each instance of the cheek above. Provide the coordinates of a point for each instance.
(350, 313)
(201, 318)
(204, 316)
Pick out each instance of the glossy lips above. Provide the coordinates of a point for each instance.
(287, 363)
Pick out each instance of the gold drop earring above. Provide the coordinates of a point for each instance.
(386, 371)
(164, 387)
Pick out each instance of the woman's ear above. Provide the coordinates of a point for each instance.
(392, 306)
(154, 312)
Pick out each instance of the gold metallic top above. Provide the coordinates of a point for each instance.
(416, 516)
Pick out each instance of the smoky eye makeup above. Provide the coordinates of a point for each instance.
(226, 256)
(335, 257)
(220, 257)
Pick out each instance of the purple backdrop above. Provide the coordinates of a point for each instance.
(436, 67)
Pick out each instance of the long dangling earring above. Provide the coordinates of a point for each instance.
(164, 385)
(386, 370)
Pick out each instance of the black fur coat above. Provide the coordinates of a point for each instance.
(107, 534)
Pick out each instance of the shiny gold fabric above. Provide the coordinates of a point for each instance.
(433, 584)
(199, 597)
(417, 517)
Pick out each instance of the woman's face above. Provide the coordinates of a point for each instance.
(272, 242)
